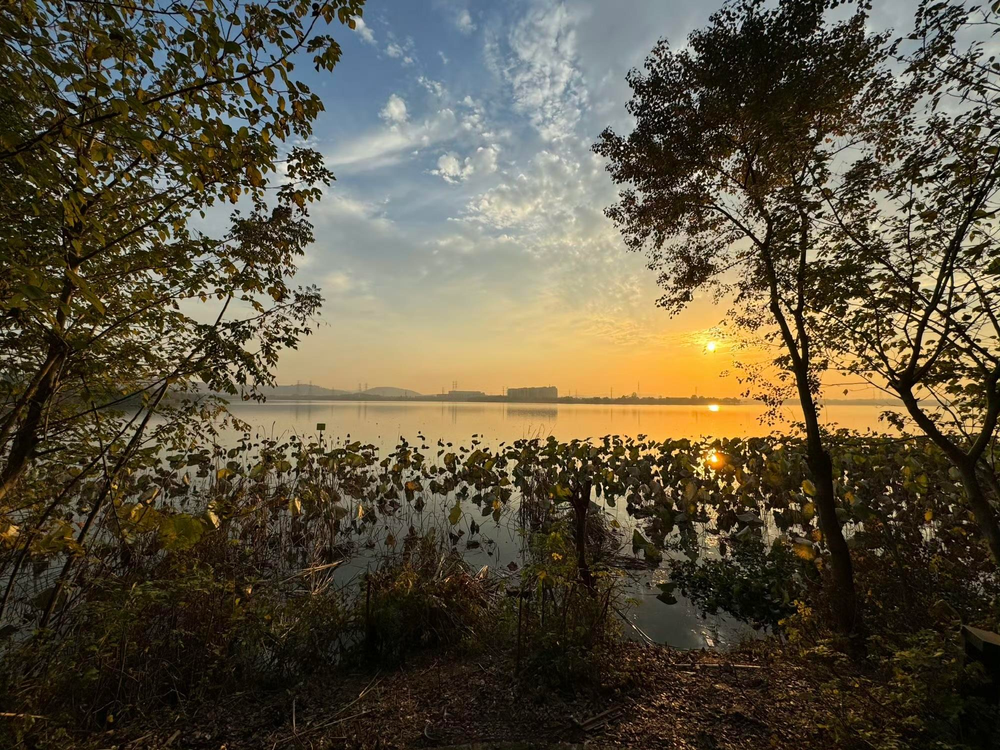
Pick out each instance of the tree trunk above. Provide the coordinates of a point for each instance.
(847, 620)
(28, 434)
(981, 508)
(45, 384)
(581, 505)
(844, 598)
(979, 502)
(845, 602)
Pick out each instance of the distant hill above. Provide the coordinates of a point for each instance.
(390, 392)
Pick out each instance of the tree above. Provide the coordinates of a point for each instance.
(914, 228)
(723, 176)
(122, 124)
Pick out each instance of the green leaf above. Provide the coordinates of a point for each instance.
(638, 541)
(32, 292)
(180, 531)
(690, 491)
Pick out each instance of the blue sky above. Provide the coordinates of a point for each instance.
(464, 238)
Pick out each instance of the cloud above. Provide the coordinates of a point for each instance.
(549, 194)
(433, 87)
(342, 284)
(463, 22)
(449, 167)
(553, 208)
(443, 56)
(402, 51)
(452, 169)
(522, 239)
(395, 140)
(394, 111)
(364, 31)
(538, 62)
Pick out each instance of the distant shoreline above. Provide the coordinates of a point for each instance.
(597, 400)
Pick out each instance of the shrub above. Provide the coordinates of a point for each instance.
(424, 595)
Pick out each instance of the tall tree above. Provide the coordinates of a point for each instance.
(120, 123)
(915, 229)
(124, 127)
(724, 172)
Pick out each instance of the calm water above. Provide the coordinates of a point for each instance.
(382, 424)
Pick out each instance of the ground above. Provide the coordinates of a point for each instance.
(656, 698)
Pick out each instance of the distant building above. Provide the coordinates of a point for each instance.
(465, 394)
(538, 393)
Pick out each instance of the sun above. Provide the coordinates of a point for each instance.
(711, 346)
(713, 407)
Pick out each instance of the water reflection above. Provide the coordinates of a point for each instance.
(535, 411)
(384, 422)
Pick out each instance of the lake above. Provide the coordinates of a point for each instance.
(383, 423)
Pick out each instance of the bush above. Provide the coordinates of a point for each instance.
(423, 596)
(754, 583)
(556, 626)
(913, 690)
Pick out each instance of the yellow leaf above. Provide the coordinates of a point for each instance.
(808, 487)
(805, 551)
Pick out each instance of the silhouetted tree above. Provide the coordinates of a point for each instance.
(724, 177)
(915, 231)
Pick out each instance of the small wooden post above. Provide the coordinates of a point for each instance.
(983, 646)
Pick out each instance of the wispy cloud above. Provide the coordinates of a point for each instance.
(463, 21)
(537, 59)
(364, 31)
(397, 139)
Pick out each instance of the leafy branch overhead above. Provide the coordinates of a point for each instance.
(120, 124)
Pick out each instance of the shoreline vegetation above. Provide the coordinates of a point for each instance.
(265, 573)
(838, 188)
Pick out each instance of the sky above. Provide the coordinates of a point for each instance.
(464, 239)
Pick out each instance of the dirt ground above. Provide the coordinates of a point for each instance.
(656, 698)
